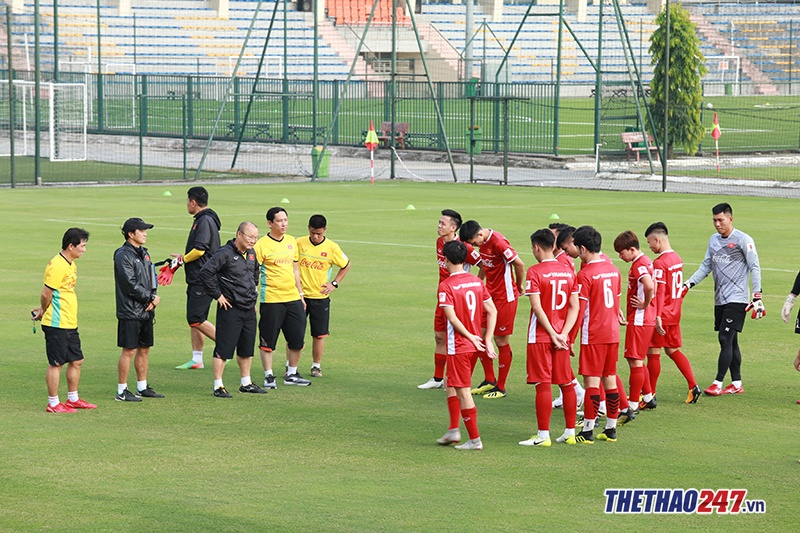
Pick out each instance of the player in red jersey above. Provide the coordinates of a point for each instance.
(553, 292)
(505, 279)
(564, 258)
(449, 223)
(465, 299)
(640, 317)
(668, 275)
(598, 324)
(566, 242)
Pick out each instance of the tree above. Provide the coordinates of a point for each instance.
(686, 70)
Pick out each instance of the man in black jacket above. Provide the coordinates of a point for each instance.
(202, 243)
(135, 280)
(230, 277)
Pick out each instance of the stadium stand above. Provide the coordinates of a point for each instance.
(762, 35)
(189, 37)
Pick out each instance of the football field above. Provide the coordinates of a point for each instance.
(356, 451)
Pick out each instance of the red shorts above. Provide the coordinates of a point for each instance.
(506, 313)
(459, 370)
(598, 360)
(670, 339)
(439, 320)
(637, 341)
(548, 365)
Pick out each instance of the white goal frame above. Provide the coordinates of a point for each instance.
(67, 120)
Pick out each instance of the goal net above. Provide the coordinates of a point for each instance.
(63, 120)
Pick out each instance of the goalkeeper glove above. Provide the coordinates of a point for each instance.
(685, 289)
(757, 306)
(787, 308)
(167, 272)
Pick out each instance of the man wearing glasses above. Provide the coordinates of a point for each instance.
(231, 277)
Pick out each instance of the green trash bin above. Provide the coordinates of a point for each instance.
(470, 89)
(324, 166)
(728, 89)
(474, 140)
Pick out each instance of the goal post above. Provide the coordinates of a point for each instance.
(64, 124)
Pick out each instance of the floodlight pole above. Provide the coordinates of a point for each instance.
(55, 40)
(37, 98)
(665, 142)
(468, 35)
(598, 81)
(11, 117)
(100, 99)
(393, 90)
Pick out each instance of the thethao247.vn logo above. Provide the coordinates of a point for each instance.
(681, 501)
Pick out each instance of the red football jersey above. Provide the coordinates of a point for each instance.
(564, 258)
(465, 293)
(554, 282)
(496, 257)
(603, 257)
(599, 291)
(668, 275)
(640, 267)
(473, 258)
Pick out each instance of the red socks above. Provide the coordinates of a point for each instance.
(654, 370)
(470, 417)
(570, 405)
(504, 366)
(454, 409)
(544, 405)
(623, 400)
(612, 403)
(592, 405)
(637, 379)
(683, 365)
(439, 361)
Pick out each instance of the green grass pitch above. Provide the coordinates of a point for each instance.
(355, 451)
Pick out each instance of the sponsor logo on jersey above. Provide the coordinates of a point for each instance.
(313, 265)
(442, 297)
(509, 253)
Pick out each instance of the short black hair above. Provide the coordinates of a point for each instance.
(469, 230)
(658, 228)
(317, 222)
(564, 235)
(274, 211)
(454, 216)
(199, 195)
(589, 238)
(724, 207)
(74, 236)
(558, 226)
(455, 252)
(544, 238)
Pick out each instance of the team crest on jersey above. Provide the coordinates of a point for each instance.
(251, 257)
(324, 254)
(147, 256)
(194, 226)
(289, 246)
(731, 245)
